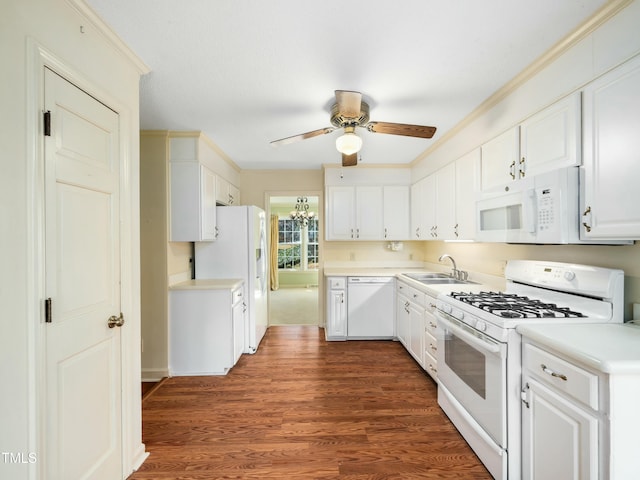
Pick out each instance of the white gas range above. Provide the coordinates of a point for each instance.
(479, 350)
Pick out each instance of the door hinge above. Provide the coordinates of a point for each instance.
(47, 123)
(524, 395)
(47, 310)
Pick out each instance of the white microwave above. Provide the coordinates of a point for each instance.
(543, 209)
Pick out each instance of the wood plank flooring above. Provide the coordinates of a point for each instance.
(303, 408)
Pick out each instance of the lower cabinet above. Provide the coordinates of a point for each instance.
(416, 325)
(562, 425)
(206, 330)
(336, 316)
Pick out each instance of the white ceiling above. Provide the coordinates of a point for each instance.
(246, 72)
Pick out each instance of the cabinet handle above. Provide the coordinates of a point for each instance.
(418, 232)
(548, 371)
(385, 233)
(586, 219)
(522, 167)
(342, 298)
(512, 170)
(455, 230)
(433, 347)
(352, 233)
(432, 368)
(217, 232)
(357, 233)
(432, 325)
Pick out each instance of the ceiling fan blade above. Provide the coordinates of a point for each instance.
(349, 103)
(349, 160)
(302, 136)
(404, 129)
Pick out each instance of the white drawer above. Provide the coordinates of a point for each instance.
(416, 296)
(430, 345)
(432, 325)
(337, 283)
(431, 366)
(561, 375)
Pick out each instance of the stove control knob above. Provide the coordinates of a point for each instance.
(458, 314)
(481, 325)
(446, 308)
(569, 275)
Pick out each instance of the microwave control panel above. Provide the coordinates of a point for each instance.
(546, 210)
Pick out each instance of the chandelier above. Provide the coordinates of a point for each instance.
(301, 215)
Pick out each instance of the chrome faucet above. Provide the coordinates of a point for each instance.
(455, 273)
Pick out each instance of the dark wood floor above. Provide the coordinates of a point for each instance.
(303, 408)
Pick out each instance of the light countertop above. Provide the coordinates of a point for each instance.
(612, 348)
(208, 284)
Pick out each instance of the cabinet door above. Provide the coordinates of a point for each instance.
(238, 317)
(467, 187)
(396, 211)
(500, 159)
(445, 203)
(550, 139)
(560, 440)
(369, 211)
(336, 314)
(402, 317)
(207, 204)
(423, 209)
(612, 154)
(234, 195)
(417, 333)
(340, 213)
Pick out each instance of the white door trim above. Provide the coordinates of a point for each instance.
(133, 451)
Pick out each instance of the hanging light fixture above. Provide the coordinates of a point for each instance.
(349, 143)
(301, 214)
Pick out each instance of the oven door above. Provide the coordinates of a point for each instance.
(472, 367)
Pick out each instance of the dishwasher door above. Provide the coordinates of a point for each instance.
(370, 308)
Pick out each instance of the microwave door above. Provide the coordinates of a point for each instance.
(508, 218)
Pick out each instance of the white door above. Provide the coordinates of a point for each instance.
(340, 213)
(82, 267)
(369, 211)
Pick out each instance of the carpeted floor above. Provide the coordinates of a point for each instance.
(294, 306)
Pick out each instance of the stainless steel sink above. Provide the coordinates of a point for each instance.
(427, 276)
(441, 281)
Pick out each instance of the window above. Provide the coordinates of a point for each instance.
(297, 245)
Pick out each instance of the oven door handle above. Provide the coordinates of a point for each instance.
(470, 337)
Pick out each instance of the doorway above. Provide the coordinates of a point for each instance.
(294, 252)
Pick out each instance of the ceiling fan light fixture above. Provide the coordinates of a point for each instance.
(349, 143)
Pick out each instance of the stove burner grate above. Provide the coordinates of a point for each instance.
(510, 305)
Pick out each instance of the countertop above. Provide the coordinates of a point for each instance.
(208, 284)
(611, 348)
(434, 289)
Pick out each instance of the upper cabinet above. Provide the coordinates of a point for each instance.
(195, 187)
(546, 141)
(226, 193)
(192, 203)
(611, 197)
(363, 206)
(443, 204)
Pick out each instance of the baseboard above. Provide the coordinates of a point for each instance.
(154, 374)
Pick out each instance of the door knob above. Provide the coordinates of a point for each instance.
(115, 321)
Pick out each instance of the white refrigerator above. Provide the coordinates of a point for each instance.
(240, 251)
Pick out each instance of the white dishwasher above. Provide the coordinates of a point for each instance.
(370, 308)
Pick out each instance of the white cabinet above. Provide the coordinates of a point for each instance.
(226, 193)
(467, 188)
(206, 330)
(368, 217)
(396, 212)
(367, 212)
(423, 209)
(192, 210)
(548, 140)
(443, 204)
(562, 421)
(336, 308)
(500, 159)
(611, 197)
(416, 325)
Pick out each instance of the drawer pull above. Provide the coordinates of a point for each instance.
(432, 325)
(548, 371)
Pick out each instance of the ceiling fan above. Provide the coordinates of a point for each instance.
(349, 112)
